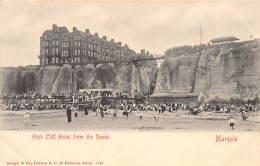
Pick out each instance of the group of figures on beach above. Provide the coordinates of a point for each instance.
(127, 109)
(31, 101)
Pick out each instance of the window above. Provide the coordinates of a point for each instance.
(77, 43)
(65, 44)
(77, 59)
(55, 42)
(77, 52)
(45, 51)
(77, 37)
(66, 39)
(57, 51)
(45, 36)
(55, 36)
(65, 53)
(53, 51)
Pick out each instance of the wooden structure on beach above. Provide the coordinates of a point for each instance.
(162, 98)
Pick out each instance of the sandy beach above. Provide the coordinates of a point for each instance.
(46, 120)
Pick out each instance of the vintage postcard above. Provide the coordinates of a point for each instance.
(129, 83)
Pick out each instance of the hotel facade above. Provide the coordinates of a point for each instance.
(59, 46)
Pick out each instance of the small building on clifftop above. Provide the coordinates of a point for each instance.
(223, 40)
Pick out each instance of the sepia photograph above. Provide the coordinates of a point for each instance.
(93, 70)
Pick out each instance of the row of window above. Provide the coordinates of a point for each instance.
(78, 43)
(56, 60)
(66, 44)
(55, 36)
(77, 52)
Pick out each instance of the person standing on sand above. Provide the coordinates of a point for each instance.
(102, 112)
(26, 118)
(114, 114)
(76, 113)
(69, 114)
(231, 123)
(86, 109)
(156, 118)
(140, 115)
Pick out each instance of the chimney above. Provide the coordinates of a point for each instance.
(54, 26)
(104, 37)
(74, 29)
(147, 53)
(126, 45)
(112, 40)
(87, 30)
(143, 51)
(119, 43)
(96, 34)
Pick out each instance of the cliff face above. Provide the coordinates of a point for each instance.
(222, 72)
(17, 80)
(52, 79)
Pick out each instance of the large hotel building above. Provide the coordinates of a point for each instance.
(59, 46)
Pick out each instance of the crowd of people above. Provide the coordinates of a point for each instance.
(91, 102)
(30, 101)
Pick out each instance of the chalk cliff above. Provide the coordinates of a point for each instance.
(52, 79)
(223, 72)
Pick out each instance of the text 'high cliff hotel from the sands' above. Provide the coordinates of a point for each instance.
(59, 46)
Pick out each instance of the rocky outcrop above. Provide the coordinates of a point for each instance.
(45, 78)
(125, 78)
(223, 72)
(17, 79)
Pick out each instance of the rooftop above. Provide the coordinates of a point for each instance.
(224, 39)
(171, 95)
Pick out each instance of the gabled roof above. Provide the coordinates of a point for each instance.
(47, 32)
(224, 39)
(63, 30)
(82, 33)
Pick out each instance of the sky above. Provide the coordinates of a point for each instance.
(153, 26)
